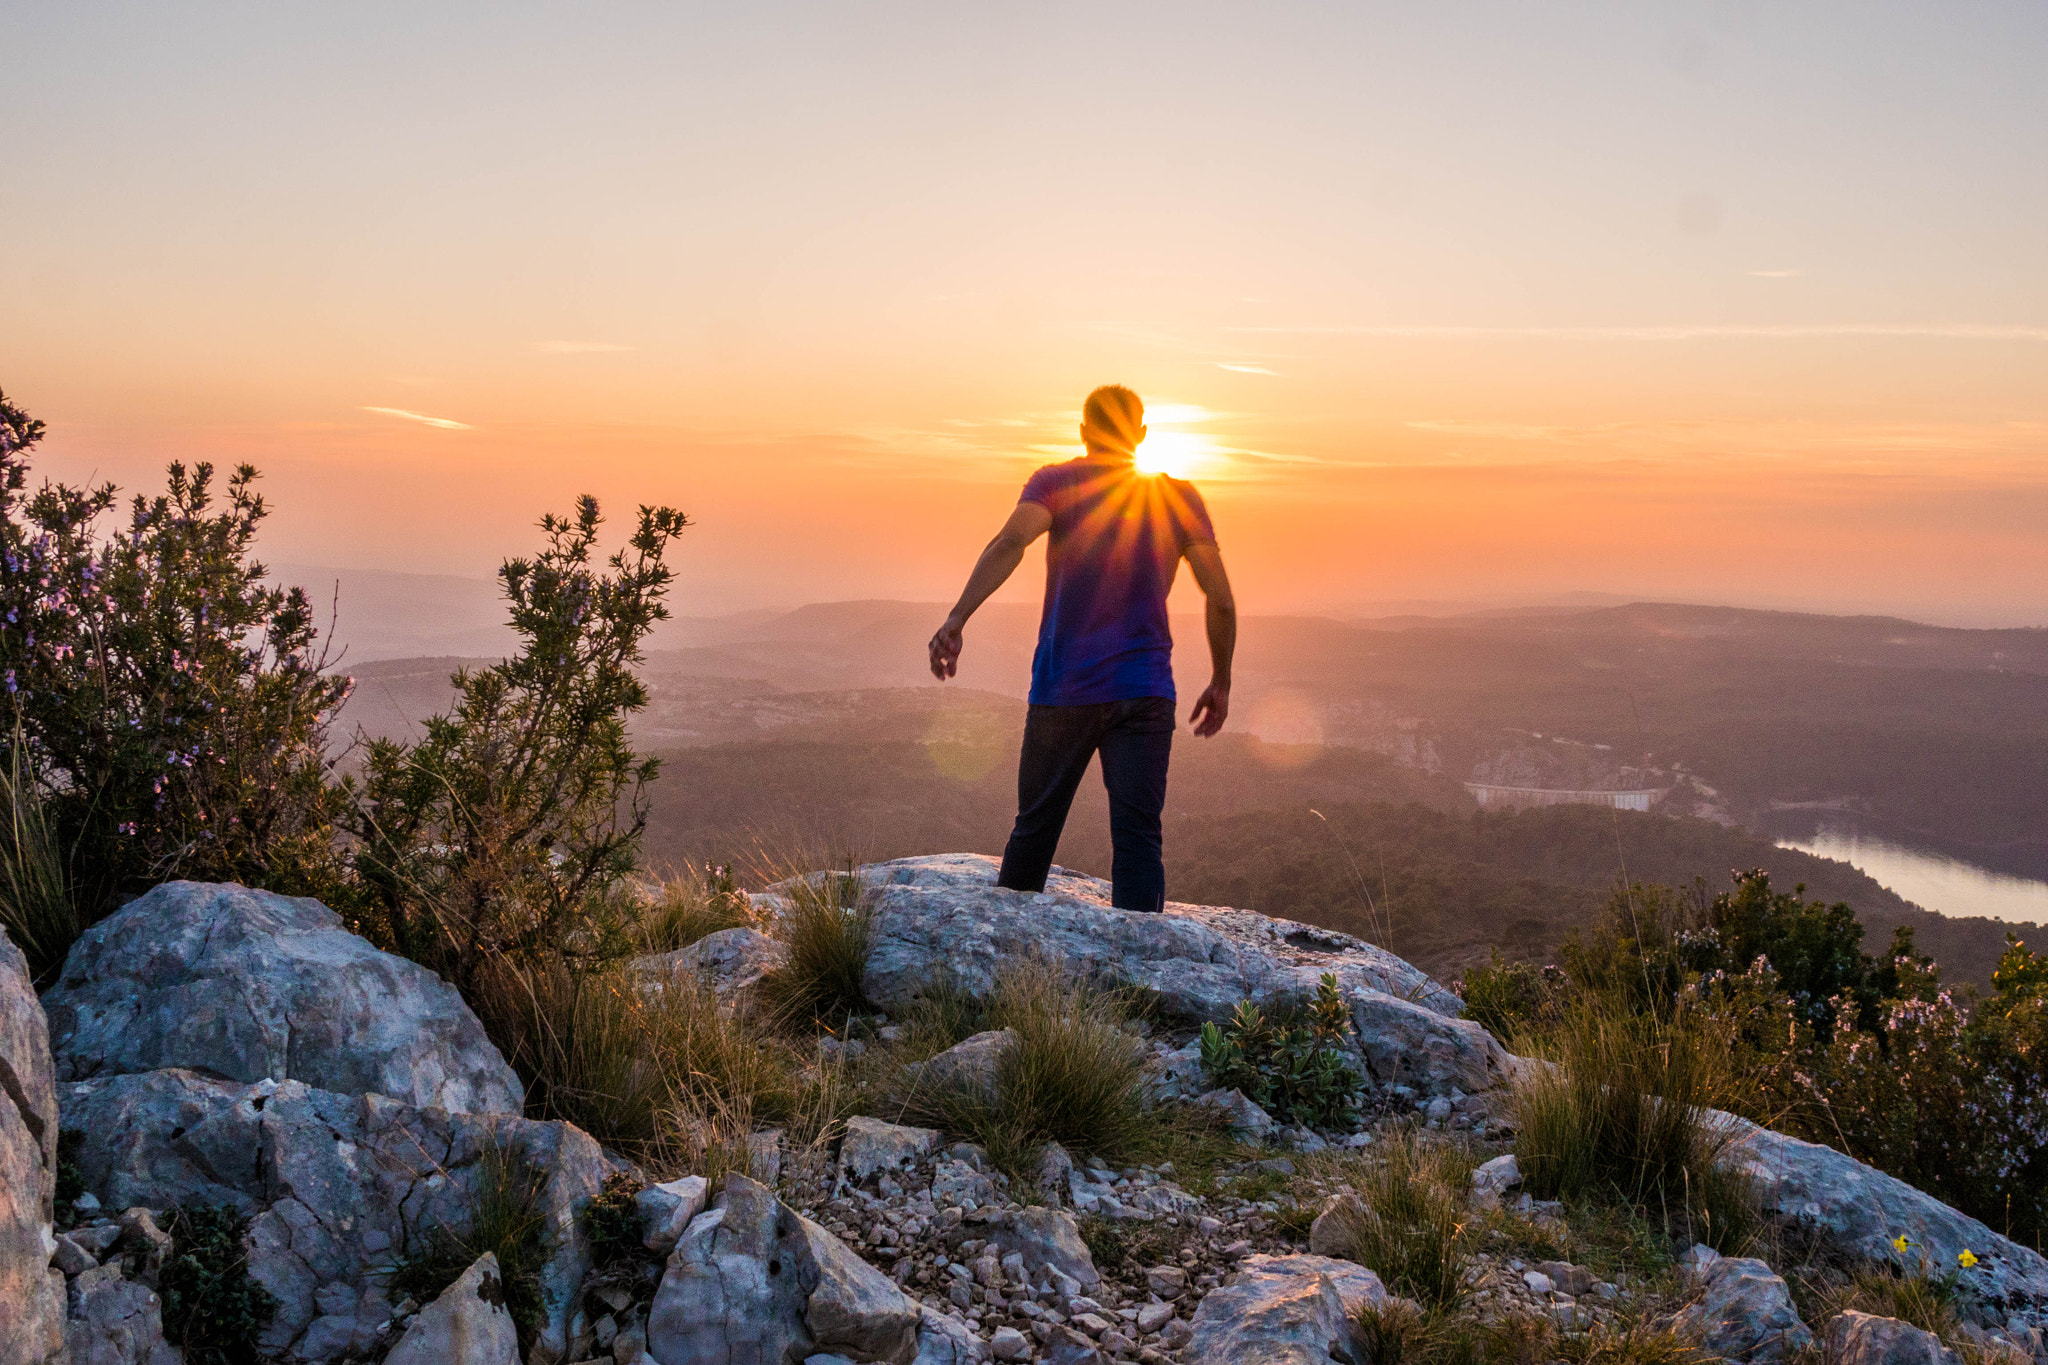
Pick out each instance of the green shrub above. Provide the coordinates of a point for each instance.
(611, 1221)
(506, 1218)
(1410, 1224)
(1287, 1062)
(212, 1310)
(1505, 998)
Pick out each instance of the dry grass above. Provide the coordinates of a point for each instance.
(1927, 1303)
(688, 908)
(828, 924)
(1410, 1224)
(506, 1218)
(1404, 1333)
(1620, 1114)
(36, 906)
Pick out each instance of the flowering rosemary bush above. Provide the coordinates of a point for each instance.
(166, 702)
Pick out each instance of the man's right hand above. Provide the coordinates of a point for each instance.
(945, 650)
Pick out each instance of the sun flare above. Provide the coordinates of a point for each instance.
(1182, 454)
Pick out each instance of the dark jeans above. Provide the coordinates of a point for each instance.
(1135, 739)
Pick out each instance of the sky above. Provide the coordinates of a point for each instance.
(1729, 301)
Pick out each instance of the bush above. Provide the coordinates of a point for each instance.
(611, 1222)
(503, 833)
(212, 1311)
(1288, 1062)
(1508, 999)
(506, 1219)
(168, 704)
(1410, 1225)
(827, 920)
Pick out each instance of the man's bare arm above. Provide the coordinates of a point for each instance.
(991, 571)
(1212, 708)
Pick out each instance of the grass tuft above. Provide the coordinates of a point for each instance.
(212, 1311)
(828, 924)
(36, 905)
(689, 908)
(1410, 1224)
(506, 1218)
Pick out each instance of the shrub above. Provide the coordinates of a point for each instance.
(611, 1221)
(1505, 998)
(212, 1311)
(1287, 1062)
(170, 704)
(1620, 1114)
(506, 1219)
(827, 920)
(503, 831)
(1410, 1224)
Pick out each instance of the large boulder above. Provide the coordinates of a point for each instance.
(1865, 1339)
(252, 986)
(1743, 1312)
(943, 917)
(31, 1292)
(1285, 1310)
(336, 1186)
(752, 1282)
(1859, 1212)
(116, 1322)
(467, 1325)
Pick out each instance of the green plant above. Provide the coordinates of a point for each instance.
(36, 907)
(504, 831)
(506, 1217)
(1408, 1222)
(827, 921)
(165, 701)
(611, 1221)
(1926, 1301)
(690, 907)
(212, 1311)
(1287, 1063)
(1506, 998)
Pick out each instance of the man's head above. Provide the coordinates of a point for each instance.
(1113, 421)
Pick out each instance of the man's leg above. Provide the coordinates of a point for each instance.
(1058, 742)
(1135, 749)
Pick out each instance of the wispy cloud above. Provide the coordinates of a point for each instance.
(1788, 331)
(1238, 367)
(578, 347)
(444, 423)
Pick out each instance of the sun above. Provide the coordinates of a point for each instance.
(1180, 454)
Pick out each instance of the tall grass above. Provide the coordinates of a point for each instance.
(1410, 1224)
(36, 904)
(827, 921)
(1620, 1114)
(1403, 1333)
(688, 908)
(1075, 1074)
(506, 1218)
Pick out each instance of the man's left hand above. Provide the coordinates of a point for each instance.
(1212, 708)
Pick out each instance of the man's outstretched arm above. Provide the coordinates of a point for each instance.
(991, 571)
(1213, 706)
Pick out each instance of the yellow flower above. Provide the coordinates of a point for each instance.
(1966, 1258)
(1899, 1244)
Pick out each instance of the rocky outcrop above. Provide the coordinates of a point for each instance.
(116, 1322)
(31, 1292)
(1864, 1339)
(1285, 1310)
(732, 962)
(252, 986)
(1860, 1212)
(1744, 1312)
(752, 1282)
(466, 1325)
(334, 1185)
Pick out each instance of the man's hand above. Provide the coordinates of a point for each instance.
(945, 648)
(1212, 708)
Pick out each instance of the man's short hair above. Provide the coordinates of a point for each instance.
(1115, 415)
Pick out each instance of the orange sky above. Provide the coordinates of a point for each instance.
(1729, 302)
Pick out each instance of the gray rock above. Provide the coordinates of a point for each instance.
(1010, 1344)
(1495, 1178)
(1049, 1240)
(943, 1339)
(1177, 1074)
(958, 1183)
(71, 1258)
(872, 1146)
(751, 1282)
(252, 986)
(1335, 1230)
(340, 1180)
(764, 1155)
(1167, 1281)
(666, 1209)
(467, 1325)
(115, 1322)
(967, 1066)
(1745, 1313)
(1863, 1339)
(1239, 1112)
(31, 1300)
(1055, 1170)
(1286, 1310)
(1857, 1210)
(732, 962)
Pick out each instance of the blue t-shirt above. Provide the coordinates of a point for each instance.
(1117, 541)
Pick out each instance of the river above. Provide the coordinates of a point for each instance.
(1931, 880)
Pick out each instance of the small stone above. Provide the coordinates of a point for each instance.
(1154, 1316)
(1176, 1334)
(1167, 1281)
(1538, 1282)
(1009, 1344)
(1091, 1323)
(71, 1258)
(961, 1293)
(97, 1238)
(1241, 1247)
(1208, 1226)
(86, 1205)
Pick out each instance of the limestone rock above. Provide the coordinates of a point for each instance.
(1335, 1231)
(943, 1339)
(1055, 1170)
(1745, 1313)
(339, 1181)
(872, 1146)
(1047, 1239)
(969, 1066)
(118, 1322)
(252, 986)
(1495, 1178)
(1863, 1339)
(1284, 1310)
(31, 1303)
(467, 1325)
(1243, 1116)
(732, 962)
(751, 1282)
(666, 1209)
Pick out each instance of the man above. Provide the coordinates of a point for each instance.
(1102, 679)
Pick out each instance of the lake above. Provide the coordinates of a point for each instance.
(1933, 881)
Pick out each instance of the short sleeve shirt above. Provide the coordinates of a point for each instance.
(1116, 543)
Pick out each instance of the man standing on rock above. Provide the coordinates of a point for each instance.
(1102, 678)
